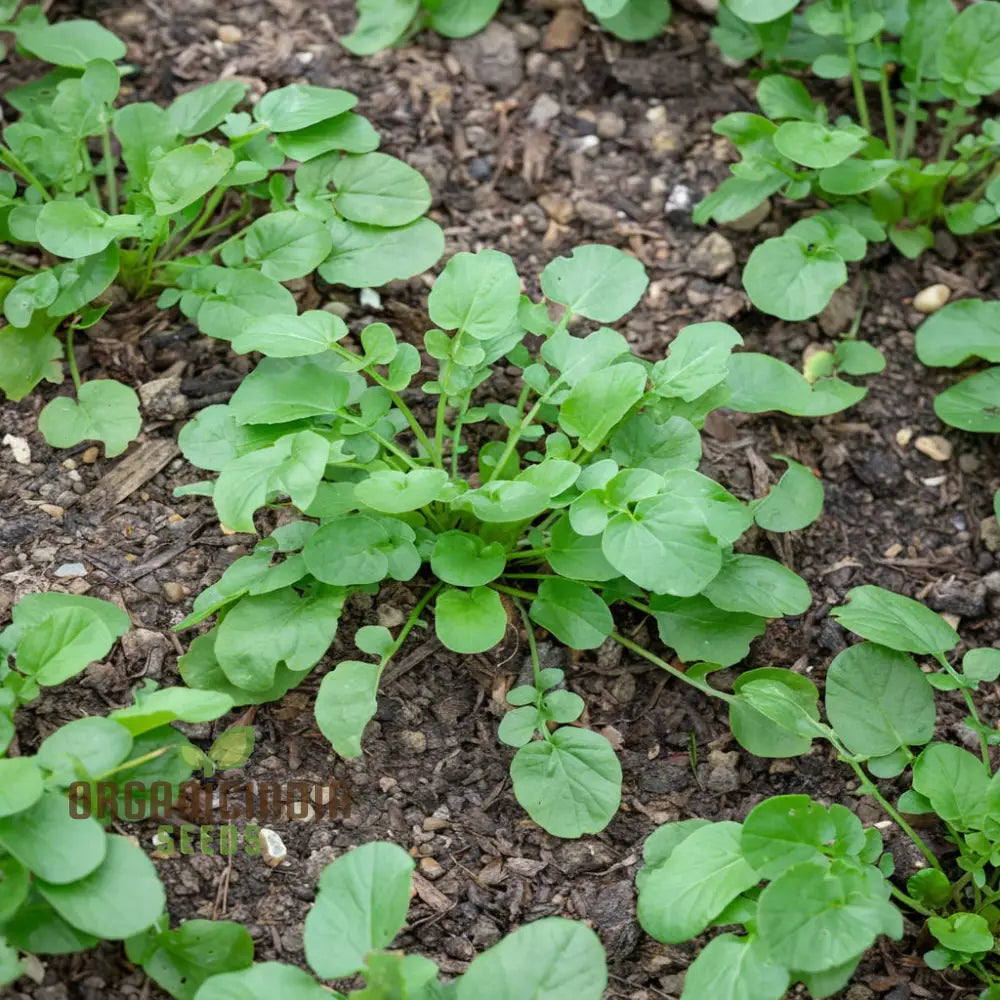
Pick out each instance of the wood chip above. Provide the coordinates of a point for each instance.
(432, 896)
(126, 477)
(564, 30)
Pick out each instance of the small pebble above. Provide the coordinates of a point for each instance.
(174, 592)
(272, 848)
(368, 298)
(229, 33)
(53, 510)
(430, 868)
(22, 453)
(931, 298)
(91, 455)
(558, 208)
(934, 446)
(543, 110)
(713, 257)
(70, 570)
(610, 125)
(904, 436)
(749, 222)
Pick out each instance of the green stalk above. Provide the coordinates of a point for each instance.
(536, 665)
(910, 121)
(111, 181)
(951, 132)
(71, 358)
(388, 445)
(207, 212)
(407, 627)
(859, 89)
(672, 670)
(888, 111)
(909, 901)
(868, 788)
(984, 749)
(10, 160)
(456, 434)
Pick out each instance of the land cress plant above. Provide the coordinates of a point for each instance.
(384, 23)
(197, 202)
(810, 887)
(933, 161)
(952, 336)
(581, 495)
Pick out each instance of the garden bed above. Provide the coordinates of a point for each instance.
(529, 149)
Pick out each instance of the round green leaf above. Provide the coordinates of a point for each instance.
(20, 784)
(312, 332)
(50, 843)
(346, 704)
(970, 50)
(599, 282)
(361, 905)
(91, 745)
(469, 621)
(74, 229)
(703, 874)
(72, 43)
(477, 293)
(756, 732)
(895, 621)
(758, 586)
(184, 174)
(698, 630)
(956, 784)
(569, 784)
(573, 613)
(879, 700)
(729, 966)
(155, 708)
(760, 11)
(369, 256)
(549, 959)
(972, 404)
(67, 641)
(393, 492)
(263, 981)
(969, 328)
(782, 96)
(121, 897)
(856, 176)
(813, 145)
(104, 410)
(785, 279)
(301, 105)
(287, 245)
(466, 560)
(202, 109)
(348, 551)
(379, 190)
(796, 500)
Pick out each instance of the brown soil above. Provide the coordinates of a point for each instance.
(627, 126)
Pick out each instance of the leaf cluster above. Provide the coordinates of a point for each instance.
(384, 23)
(921, 55)
(198, 201)
(548, 513)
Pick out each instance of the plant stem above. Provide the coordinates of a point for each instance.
(859, 88)
(984, 749)
(909, 900)
(10, 160)
(388, 445)
(536, 665)
(17, 265)
(888, 111)
(407, 627)
(207, 212)
(672, 670)
(868, 788)
(951, 132)
(110, 180)
(456, 434)
(71, 358)
(527, 554)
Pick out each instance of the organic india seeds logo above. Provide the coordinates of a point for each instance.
(210, 806)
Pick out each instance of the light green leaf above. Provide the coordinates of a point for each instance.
(569, 784)
(969, 328)
(395, 492)
(599, 282)
(20, 785)
(74, 229)
(813, 145)
(264, 981)
(466, 560)
(121, 897)
(756, 732)
(346, 704)
(202, 109)
(955, 783)
(969, 55)
(476, 294)
(786, 279)
(461, 18)
(698, 630)
(279, 391)
(379, 190)
(155, 708)
(598, 402)
(895, 621)
(287, 245)
(311, 332)
(361, 905)
(469, 621)
(91, 745)
(971, 405)
(879, 700)
(702, 875)
(104, 410)
(348, 551)
(796, 500)
(758, 586)
(369, 256)
(548, 959)
(572, 612)
(301, 105)
(782, 96)
(347, 132)
(734, 968)
(698, 360)
(184, 174)
(72, 43)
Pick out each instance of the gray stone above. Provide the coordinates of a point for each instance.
(713, 257)
(839, 313)
(491, 58)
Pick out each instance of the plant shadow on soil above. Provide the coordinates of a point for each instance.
(516, 172)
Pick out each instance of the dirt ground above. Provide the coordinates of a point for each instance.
(531, 149)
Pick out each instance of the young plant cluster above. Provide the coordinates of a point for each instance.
(809, 886)
(933, 161)
(197, 202)
(384, 23)
(581, 498)
(958, 333)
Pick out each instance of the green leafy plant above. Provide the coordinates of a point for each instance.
(545, 513)
(361, 905)
(65, 882)
(949, 338)
(196, 201)
(881, 716)
(921, 54)
(384, 23)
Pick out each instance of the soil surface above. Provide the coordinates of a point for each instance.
(536, 136)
